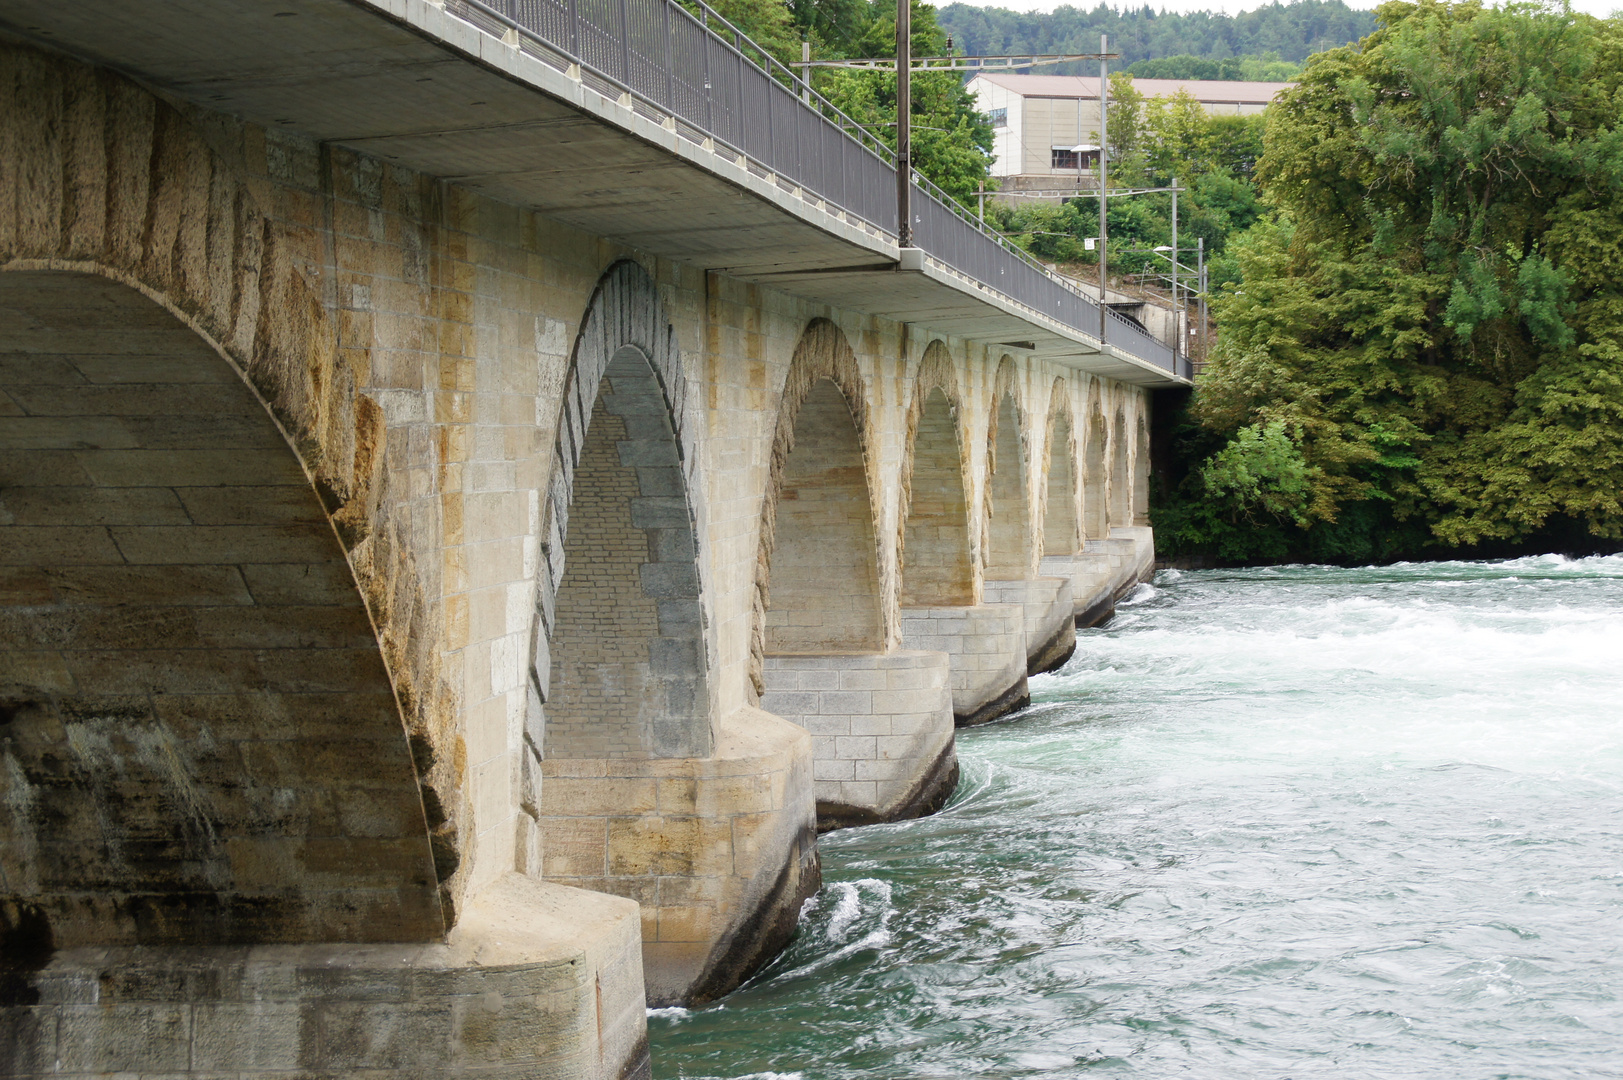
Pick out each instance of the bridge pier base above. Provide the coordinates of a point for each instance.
(1105, 570)
(987, 647)
(718, 851)
(1049, 615)
(537, 979)
(882, 727)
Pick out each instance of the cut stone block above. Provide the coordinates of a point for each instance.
(884, 752)
(986, 644)
(1050, 618)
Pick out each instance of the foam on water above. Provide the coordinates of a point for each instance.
(1286, 822)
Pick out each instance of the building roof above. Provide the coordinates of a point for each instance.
(1207, 91)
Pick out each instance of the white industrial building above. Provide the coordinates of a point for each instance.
(1046, 127)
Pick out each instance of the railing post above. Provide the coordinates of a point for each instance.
(709, 92)
(743, 141)
(670, 60)
(574, 29)
(904, 122)
(625, 46)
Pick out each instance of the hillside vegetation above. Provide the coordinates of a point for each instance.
(1272, 33)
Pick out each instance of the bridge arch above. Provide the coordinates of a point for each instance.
(819, 585)
(937, 559)
(1060, 533)
(1121, 472)
(1141, 468)
(620, 667)
(1009, 555)
(201, 740)
(1095, 471)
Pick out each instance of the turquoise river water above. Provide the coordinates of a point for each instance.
(1266, 825)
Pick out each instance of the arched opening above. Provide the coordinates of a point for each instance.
(1121, 477)
(1059, 511)
(1095, 518)
(936, 566)
(824, 568)
(627, 648)
(1010, 532)
(1141, 473)
(199, 742)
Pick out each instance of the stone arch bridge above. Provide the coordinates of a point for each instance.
(462, 537)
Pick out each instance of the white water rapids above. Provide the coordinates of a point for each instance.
(1267, 824)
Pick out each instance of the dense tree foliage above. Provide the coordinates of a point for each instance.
(1292, 31)
(952, 141)
(1425, 347)
(1266, 68)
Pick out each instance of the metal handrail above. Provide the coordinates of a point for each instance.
(681, 70)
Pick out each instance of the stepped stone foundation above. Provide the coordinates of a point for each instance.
(882, 726)
(1105, 571)
(1049, 614)
(537, 980)
(693, 841)
(987, 647)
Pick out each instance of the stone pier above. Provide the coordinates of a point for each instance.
(986, 644)
(1050, 617)
(883, 727)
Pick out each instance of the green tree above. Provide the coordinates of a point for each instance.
(1291, 31)
(951, 140)
(1435, 305)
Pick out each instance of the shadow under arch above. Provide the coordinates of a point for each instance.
(1121, 476)
(1095, 471)
(936, 560)
(202, 744)
(620, 665)
(1141, 469)
(1060, 533)
(819, 587)
(1010, 555)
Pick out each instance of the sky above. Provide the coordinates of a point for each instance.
(1593, 7)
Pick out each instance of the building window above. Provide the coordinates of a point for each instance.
(1067, 158)
(1000, 117)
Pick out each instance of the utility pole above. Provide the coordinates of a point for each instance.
(805, 59)
(904, 121)
(1178, 328)
(1200, 281)
(1104, 154)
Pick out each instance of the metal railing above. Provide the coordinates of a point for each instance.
(683, 65)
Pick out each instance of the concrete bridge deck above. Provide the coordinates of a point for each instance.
(440, 504)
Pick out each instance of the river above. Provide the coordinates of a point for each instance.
(1267, 824)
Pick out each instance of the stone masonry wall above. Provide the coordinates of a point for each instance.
(936, 556)
(599, 645)
(1060, 535)
(416, 342)
(824, 567)
(1010, 555)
